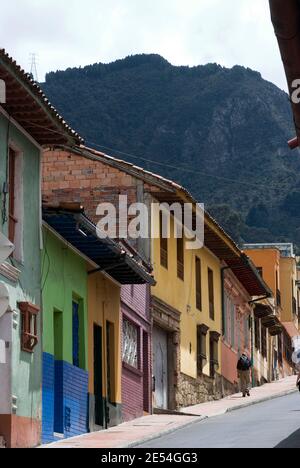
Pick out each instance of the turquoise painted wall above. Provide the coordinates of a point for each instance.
(64, 278)
(24, 369)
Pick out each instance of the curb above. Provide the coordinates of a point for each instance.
(261, 400)
(136, 444)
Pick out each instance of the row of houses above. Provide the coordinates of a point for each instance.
(95, 330)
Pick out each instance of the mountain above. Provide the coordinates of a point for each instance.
(222, 133)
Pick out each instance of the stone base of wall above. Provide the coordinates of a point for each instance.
(192, 392)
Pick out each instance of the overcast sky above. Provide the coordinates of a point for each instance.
(186, 32)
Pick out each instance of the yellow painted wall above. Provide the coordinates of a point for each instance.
(181, 295)
(288, 278)
(269, 261)
(104, 305)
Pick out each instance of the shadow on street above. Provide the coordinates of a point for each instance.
(291, 442)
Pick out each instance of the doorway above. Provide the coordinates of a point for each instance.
(160, 368)
(58, 357)
(98, 377)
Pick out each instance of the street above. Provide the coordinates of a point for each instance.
(274, 424)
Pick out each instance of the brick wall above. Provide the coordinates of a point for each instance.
(68, 412)
(68, 177)
(71, 177)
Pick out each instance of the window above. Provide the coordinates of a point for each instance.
(280, 355)
(76, 340)
(130, 344)
(214, 353)
(78, 334)
(211, 294)
(233, 325)
(247, 332)
(110, 361)
(180, 258)
(278, 294)
(257, 333)
(198, 284)
(29, 336)
(264, 346)
(287, 347)
(163, 244)
(201, 348)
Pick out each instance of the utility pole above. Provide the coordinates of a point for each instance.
(33, 66)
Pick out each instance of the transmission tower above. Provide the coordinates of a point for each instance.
(33, 66)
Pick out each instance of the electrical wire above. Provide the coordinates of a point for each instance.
(166, 165)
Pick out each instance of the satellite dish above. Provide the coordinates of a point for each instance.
(6, 248)
(4, 298)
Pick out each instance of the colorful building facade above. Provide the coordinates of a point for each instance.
(65, 344)
(88, 179)
(136, 352)
(236, 329)
(83, 275)
(277, 264)
(20, 276)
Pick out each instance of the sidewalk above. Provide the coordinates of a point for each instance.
(152, 427)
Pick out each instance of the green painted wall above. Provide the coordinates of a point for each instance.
(64, 279)
(23, 369)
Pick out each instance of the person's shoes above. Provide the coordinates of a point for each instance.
(244, 395)
(248, 393)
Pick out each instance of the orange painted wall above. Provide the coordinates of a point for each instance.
(269, 261)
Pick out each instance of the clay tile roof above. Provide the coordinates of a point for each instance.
(28, 106)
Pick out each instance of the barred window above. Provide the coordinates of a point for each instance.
(130, 344)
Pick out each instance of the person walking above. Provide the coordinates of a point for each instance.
(244, 373)
(298, 381)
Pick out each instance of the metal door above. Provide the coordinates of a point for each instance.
(160, 368)
(98, 377)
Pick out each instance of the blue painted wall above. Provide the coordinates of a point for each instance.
(67, 403)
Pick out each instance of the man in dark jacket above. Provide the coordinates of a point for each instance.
(244, 374)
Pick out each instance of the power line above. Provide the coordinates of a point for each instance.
(166, 165)
(185, 168)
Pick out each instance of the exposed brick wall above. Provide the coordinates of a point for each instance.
(71, 177)
(68, 177)
(71, 385)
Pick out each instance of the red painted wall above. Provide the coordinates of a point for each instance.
(136, 391)
(229, 363)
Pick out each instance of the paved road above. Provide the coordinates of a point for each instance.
(267, 425)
